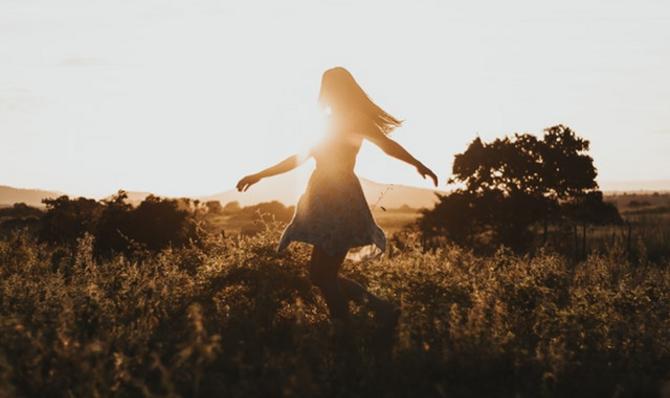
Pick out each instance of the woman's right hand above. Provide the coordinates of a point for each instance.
(247, 181)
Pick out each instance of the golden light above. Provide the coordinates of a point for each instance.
(312, 130)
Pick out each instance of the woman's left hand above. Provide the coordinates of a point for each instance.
(426, 172)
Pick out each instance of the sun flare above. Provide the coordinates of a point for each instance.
(311, 131)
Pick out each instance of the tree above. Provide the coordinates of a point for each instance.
(158, 223)
(511, 184)
(113, 226)
(67, 219)
(452, 217)
(155, 224)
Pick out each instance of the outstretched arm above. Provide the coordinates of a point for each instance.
(285, 165)
(397, 151)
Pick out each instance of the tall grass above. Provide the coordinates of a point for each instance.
(234, 318)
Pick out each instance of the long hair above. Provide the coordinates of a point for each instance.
(338, 87)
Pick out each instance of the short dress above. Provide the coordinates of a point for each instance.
(333, 213)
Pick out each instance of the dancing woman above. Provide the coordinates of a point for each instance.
(332, 214)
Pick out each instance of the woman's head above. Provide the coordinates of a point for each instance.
(341, 92)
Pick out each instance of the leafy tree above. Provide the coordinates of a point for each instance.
(68, 219)
(114, 225)
(452, 217)
(511, 184)
(158, 223)
(567, 169)
(117, 226)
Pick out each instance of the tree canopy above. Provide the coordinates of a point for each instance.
(513, 183)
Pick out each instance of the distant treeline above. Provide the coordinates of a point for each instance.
(119, 227)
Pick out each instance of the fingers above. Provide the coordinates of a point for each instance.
(432, 177)
(242, 185)
(429, 173)
(246, 182)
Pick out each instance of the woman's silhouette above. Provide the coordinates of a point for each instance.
(333, 214)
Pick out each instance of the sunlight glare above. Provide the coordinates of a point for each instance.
(311, 130)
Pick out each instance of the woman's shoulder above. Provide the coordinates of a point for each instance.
(355, 121)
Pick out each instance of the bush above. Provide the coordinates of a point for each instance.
(155, 224)
(67, 219)
(19, 217)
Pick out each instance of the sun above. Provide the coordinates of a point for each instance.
(311, 130)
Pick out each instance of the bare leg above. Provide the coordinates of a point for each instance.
(323, 270)
(337, 290)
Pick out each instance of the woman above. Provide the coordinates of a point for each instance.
(333, 214)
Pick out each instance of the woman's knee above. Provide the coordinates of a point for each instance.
(324, 267)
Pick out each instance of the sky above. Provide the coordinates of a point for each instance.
(185, 97)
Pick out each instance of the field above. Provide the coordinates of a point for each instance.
(390, 220)
(395, 220)
(234, 318)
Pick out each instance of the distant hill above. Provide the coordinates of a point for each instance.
(640, 186)
(287, 189)
(31, 197)
(134, 197)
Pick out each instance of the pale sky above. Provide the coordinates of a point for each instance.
(185, 97)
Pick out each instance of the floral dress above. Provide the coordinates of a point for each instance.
(333, 214)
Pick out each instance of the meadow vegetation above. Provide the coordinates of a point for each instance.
(229, 316)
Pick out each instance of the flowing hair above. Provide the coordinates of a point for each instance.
(338, 85)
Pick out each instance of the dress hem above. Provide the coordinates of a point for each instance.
(284, 242)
